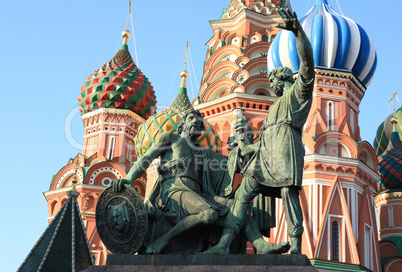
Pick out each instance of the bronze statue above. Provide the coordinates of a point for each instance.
(189, 193)
(276, 165)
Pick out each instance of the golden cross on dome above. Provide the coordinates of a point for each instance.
(185, 60)
(393, 102)
(129, 12)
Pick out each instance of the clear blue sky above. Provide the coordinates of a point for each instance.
(48, 48)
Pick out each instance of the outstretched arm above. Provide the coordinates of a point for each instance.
(140, 166)
(304, 50)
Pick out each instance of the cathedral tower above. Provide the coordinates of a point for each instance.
(234, 80)
(114, 101)
(340, 171)
(389, 198)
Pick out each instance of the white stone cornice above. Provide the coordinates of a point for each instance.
(326, 182)
(345, 74)
(350, 185)
(391, 203)
(344, 161)
(340, 175)
(382, 236)
(330, 182)
(226, 98)
(113, 111)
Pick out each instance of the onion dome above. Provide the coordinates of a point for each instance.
(269, 7)
(118, 84)
(390, 163)
(337, 41)
(384, 132)
(168, 119)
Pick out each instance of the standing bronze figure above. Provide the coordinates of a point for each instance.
(276, 164)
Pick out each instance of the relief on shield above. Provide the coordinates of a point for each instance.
(121, 220)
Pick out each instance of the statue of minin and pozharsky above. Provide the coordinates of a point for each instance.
(192, 207)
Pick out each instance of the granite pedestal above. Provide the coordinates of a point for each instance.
(195, 263)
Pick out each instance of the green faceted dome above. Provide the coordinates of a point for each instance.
(118, 84)
(384, 132)
(168, 119)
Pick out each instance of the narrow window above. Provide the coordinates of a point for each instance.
(352, 120)
(264, 38)
(368, 257)
(111, 148)
(391, 216)
(330, 115)
(335, 241)
(129, 151)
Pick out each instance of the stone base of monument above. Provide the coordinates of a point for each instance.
(222, 263)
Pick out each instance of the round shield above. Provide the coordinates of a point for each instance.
(121, 220)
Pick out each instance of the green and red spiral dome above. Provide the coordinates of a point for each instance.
(118, 84)
(388, 146)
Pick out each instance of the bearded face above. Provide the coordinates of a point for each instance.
(278, 85)
(119, 220)
(193, 126)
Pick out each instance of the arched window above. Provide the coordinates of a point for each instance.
(52, 208)
(264, 38)
(352, 120)
(129, 147)
(391, 216)
(111, 148)
(330, 115)
(335, 241)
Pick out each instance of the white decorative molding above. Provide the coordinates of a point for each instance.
(344, 161)
(68, 173)
(104, 170)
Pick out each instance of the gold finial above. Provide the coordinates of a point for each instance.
(73, 192)
(184, 74)
(74, 180)
(126, 35)
(394, 122)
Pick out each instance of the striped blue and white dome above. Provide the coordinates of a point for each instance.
(337, 41)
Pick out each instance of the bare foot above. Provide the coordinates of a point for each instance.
(268, 248)
(216, 250)
(156, 247)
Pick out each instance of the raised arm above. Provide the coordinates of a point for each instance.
(304, 50)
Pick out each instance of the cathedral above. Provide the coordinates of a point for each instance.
(351, 191)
